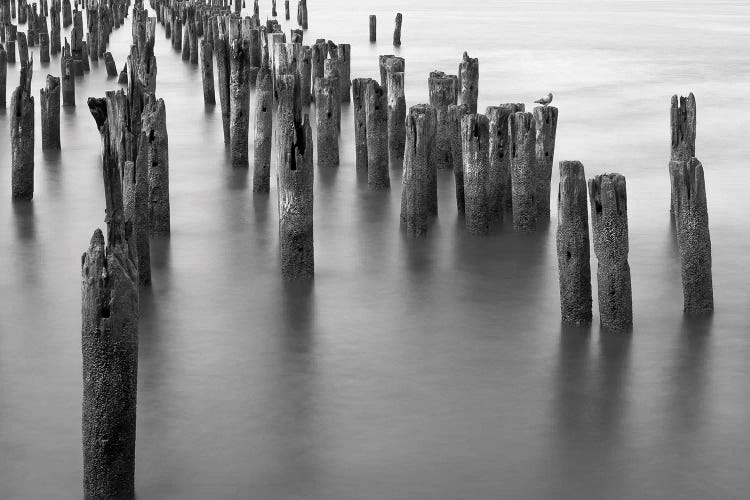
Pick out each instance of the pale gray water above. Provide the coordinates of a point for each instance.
(432, 369)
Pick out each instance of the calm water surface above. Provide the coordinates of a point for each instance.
(409, 369)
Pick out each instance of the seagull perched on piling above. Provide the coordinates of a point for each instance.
(545, 100)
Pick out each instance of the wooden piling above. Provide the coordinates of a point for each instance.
(546, 131)
(397, 30)
(43, 46)
(499, 190)
(3, 76)
(11, 35)
(67, 76)
(286, 10)
(154, 121)
(263, 132)
(468, 75)
(373, 29)
(345, 71)
(359, 88)
(49, 102)
(376, 112)
(332, 73)
(456, 113)
(523, 170)
(421, 130)
(443, 91)
(319, 54)
(22, 137)
(23, 49)
(295, 187)
(609, 222)
(296, 36)
(273, 9)
(109, 340)
(223, 73)
(326, 103)
(240, 103)
(573, 253)
(304, 72)
(142, 222)
(475, 129)
(396, 119)
(54, 35)
(67, 14)
(693, 235)
(109, 63)
(303, 14)
(122, 79)
(683, 127)
(207, 73)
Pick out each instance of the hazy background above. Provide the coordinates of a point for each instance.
(409, 369)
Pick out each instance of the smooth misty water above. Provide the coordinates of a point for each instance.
(410, 369)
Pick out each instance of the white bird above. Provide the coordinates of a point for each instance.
(545, 100)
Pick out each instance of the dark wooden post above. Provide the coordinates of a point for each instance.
(222, 68)
(573, 253)
(240, 103)
(67, 14)
(286, 10)
(468, 75)
(682, 125)
(326, 102)
(396, 115)
(50, 110)
(359, 88)
(456, 114)
(207, 72)
(693, 236)
(67, 76)
(523, 170)
(475, 131)
(345, 71)
(443, 91)
(55, 46)
(304, 72)
(376, 112)
(142, 208)
(155, 125)
(109, 339)
(109, 63)
(373, 28)
(12, 36)
(22, 137)
(319, 54)
(421, 127)
(546, 131)
(499, 192)
(333, 74)
(295, 186)
(43, 43)
(609, 222)
(397, 30)
(263, 132)
(3, 76)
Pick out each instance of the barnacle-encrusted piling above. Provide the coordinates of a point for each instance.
(359, 89)
(326, 103)
(421, 127)
(546, 130)
(456, 114)
(523, 170)
(443, 93)
(376, 112)
(682, 125)
(475, 129)
(155, 125)
(263, 132)
(239, 102)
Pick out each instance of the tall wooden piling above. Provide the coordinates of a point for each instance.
(223, 73)
(333, 74)
(109, 340)
(295, 187)
(207, 72)
(468, 75)
(376, 112)
(443, 91)
(683, 126)
(286, 10)
(573, 253)
(345, 72)
(154, 121)
(475, 130)
(396, 118)
(3, 76)
(303, 14)
(373, 29)
(240, 103)
(421, 129)
(67, 77)
(43, 46)
(546, 131)
(49, 102)
(609, 222)
(11, 35)
(359, 89)
(319, 54)
(263, 132)
(109, 64)
(499, 190)
(456, 114)
(22, 137)
(273, 8)
(67, 13)
(304, 72)
(326, 103)
(523, 171)
(693, 236)
(23, 49)
(142, 209)
(55, 45)
(397, 30)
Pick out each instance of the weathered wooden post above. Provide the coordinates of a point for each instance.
(499, 191)
(123, 77)
(154, 121)
(286, 10)
(468, 75)
(456, 114)
(443, 93)
(332, 73)
(345, 71)
(240, 103)
(67, 14)
(319, 54)
(573, 253)
(263, 132)
(546, 130)
(193, 32)
(141, 221)
(222, 68)
(326, 102)
(85, 66)
(376, 112)
(523, 170)
(683, 126)
(693, 236)
(373, 29)
(3, 76)
(67, 76)
(397, 30)
(43, 44)
(475, 130)
(303, 14)
(609, 222)
(50, 110)
(304, 72)
(421, 127)
(297, 36)
(207, 73)
(12, 36)
(295, 186)
(109, 63)
(55, 46)
(23, 49)
(396, 117)
(109, 340)
(22, 137)
(359, 88)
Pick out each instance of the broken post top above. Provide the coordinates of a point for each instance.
(523, 130)
(683, 125)
(609, 216)
(689, 186)
(572, 192)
